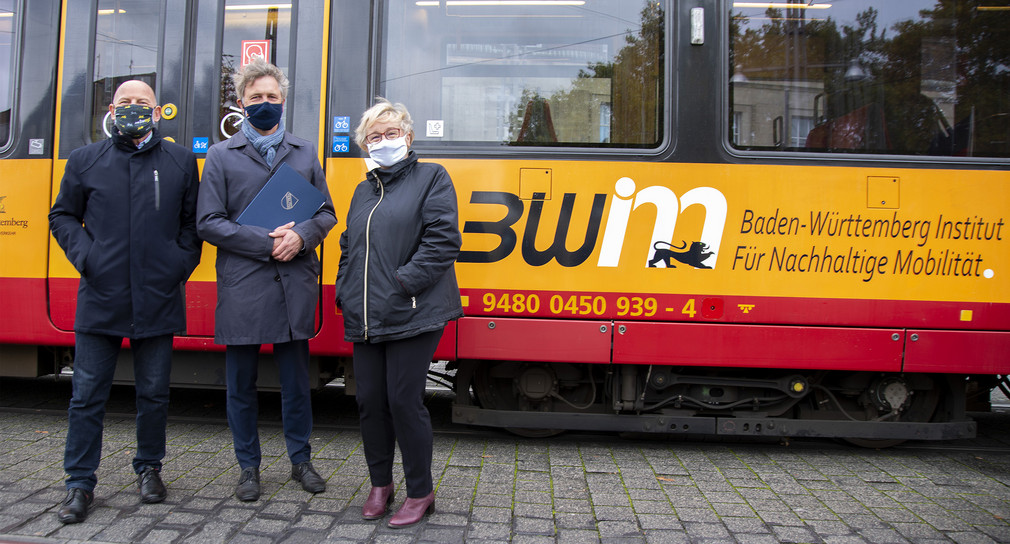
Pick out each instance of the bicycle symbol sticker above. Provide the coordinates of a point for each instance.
(341, 124)
(341, 144)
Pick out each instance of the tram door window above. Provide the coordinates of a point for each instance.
(917, 77)
(535, 73)
(8, 41)
(251, 28)
(126, 47)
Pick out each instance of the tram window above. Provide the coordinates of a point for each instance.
(126, 47)
(8, 39)
(918, 77)
(586, 74)
(250, 28)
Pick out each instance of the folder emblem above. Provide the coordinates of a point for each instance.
(299, 200)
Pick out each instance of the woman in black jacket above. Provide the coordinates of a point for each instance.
(397, 289)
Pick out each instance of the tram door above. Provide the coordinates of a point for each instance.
(187, 50)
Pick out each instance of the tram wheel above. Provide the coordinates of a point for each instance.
(919, 406)
(525, 387)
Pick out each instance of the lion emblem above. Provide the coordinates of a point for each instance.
(691, 256)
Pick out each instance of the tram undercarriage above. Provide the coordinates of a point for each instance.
(867, 409)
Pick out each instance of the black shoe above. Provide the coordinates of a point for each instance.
(248, 488)
(310, 479)
(152, 490)
(75, 506)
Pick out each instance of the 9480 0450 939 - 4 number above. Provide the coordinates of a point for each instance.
(583, 305)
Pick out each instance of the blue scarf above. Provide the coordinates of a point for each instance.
(266, 145)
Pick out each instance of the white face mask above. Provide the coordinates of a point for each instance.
(388, 152)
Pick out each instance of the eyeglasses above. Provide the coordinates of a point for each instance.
(377, 137)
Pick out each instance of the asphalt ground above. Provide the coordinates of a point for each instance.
(496, 487)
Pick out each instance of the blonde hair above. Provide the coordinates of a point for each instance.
(382, 111)
(256, 69)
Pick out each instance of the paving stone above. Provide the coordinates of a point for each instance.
(533, 526)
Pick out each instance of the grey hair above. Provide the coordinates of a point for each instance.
(256, 69)
(383, 110)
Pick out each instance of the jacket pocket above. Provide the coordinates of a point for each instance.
(396, 306)
(90, 260)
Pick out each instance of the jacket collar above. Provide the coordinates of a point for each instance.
(239, 141)
(398, 170)
(125, 143)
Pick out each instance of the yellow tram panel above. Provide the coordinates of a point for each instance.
(781, 231)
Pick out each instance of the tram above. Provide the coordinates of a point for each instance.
(718, 217)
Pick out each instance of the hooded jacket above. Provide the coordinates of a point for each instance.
(126, 218)
(396, 277)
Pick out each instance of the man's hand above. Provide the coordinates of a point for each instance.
(287, 243)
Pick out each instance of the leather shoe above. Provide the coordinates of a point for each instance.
(412, 511)
(377, 502)
(307, 475)
(152, 490)
(248, 488)
(75, 506)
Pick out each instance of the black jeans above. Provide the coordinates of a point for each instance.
(390, 379)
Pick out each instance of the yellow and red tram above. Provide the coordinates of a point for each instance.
(761, 218)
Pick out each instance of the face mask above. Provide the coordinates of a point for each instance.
(388, 152)
(134, 120)
(264, 115)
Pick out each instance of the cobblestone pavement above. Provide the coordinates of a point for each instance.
(494, 487)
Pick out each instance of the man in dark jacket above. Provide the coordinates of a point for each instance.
(126, 218)
(267, 280)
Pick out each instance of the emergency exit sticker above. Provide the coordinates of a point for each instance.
(255, 48)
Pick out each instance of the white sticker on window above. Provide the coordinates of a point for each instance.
(434, 129)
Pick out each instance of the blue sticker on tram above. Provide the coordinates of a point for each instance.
(200, 145)
(341, 144)
(341, 124)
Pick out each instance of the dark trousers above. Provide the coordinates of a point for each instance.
(242, 366)
(94, 367)
(390, 378)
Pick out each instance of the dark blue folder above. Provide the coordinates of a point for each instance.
(286, 197)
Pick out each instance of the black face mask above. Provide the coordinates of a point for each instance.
(134, 120)
(264, 115)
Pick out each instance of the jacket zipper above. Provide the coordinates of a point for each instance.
(157, 192)
(368, 247)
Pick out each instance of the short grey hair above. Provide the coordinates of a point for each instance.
(382, 111)
(256, 69)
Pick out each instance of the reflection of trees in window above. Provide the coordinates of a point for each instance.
(228, 97)
(936, 83)
(628, 90)
(959, 56)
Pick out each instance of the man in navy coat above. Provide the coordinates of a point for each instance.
(126, 218)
